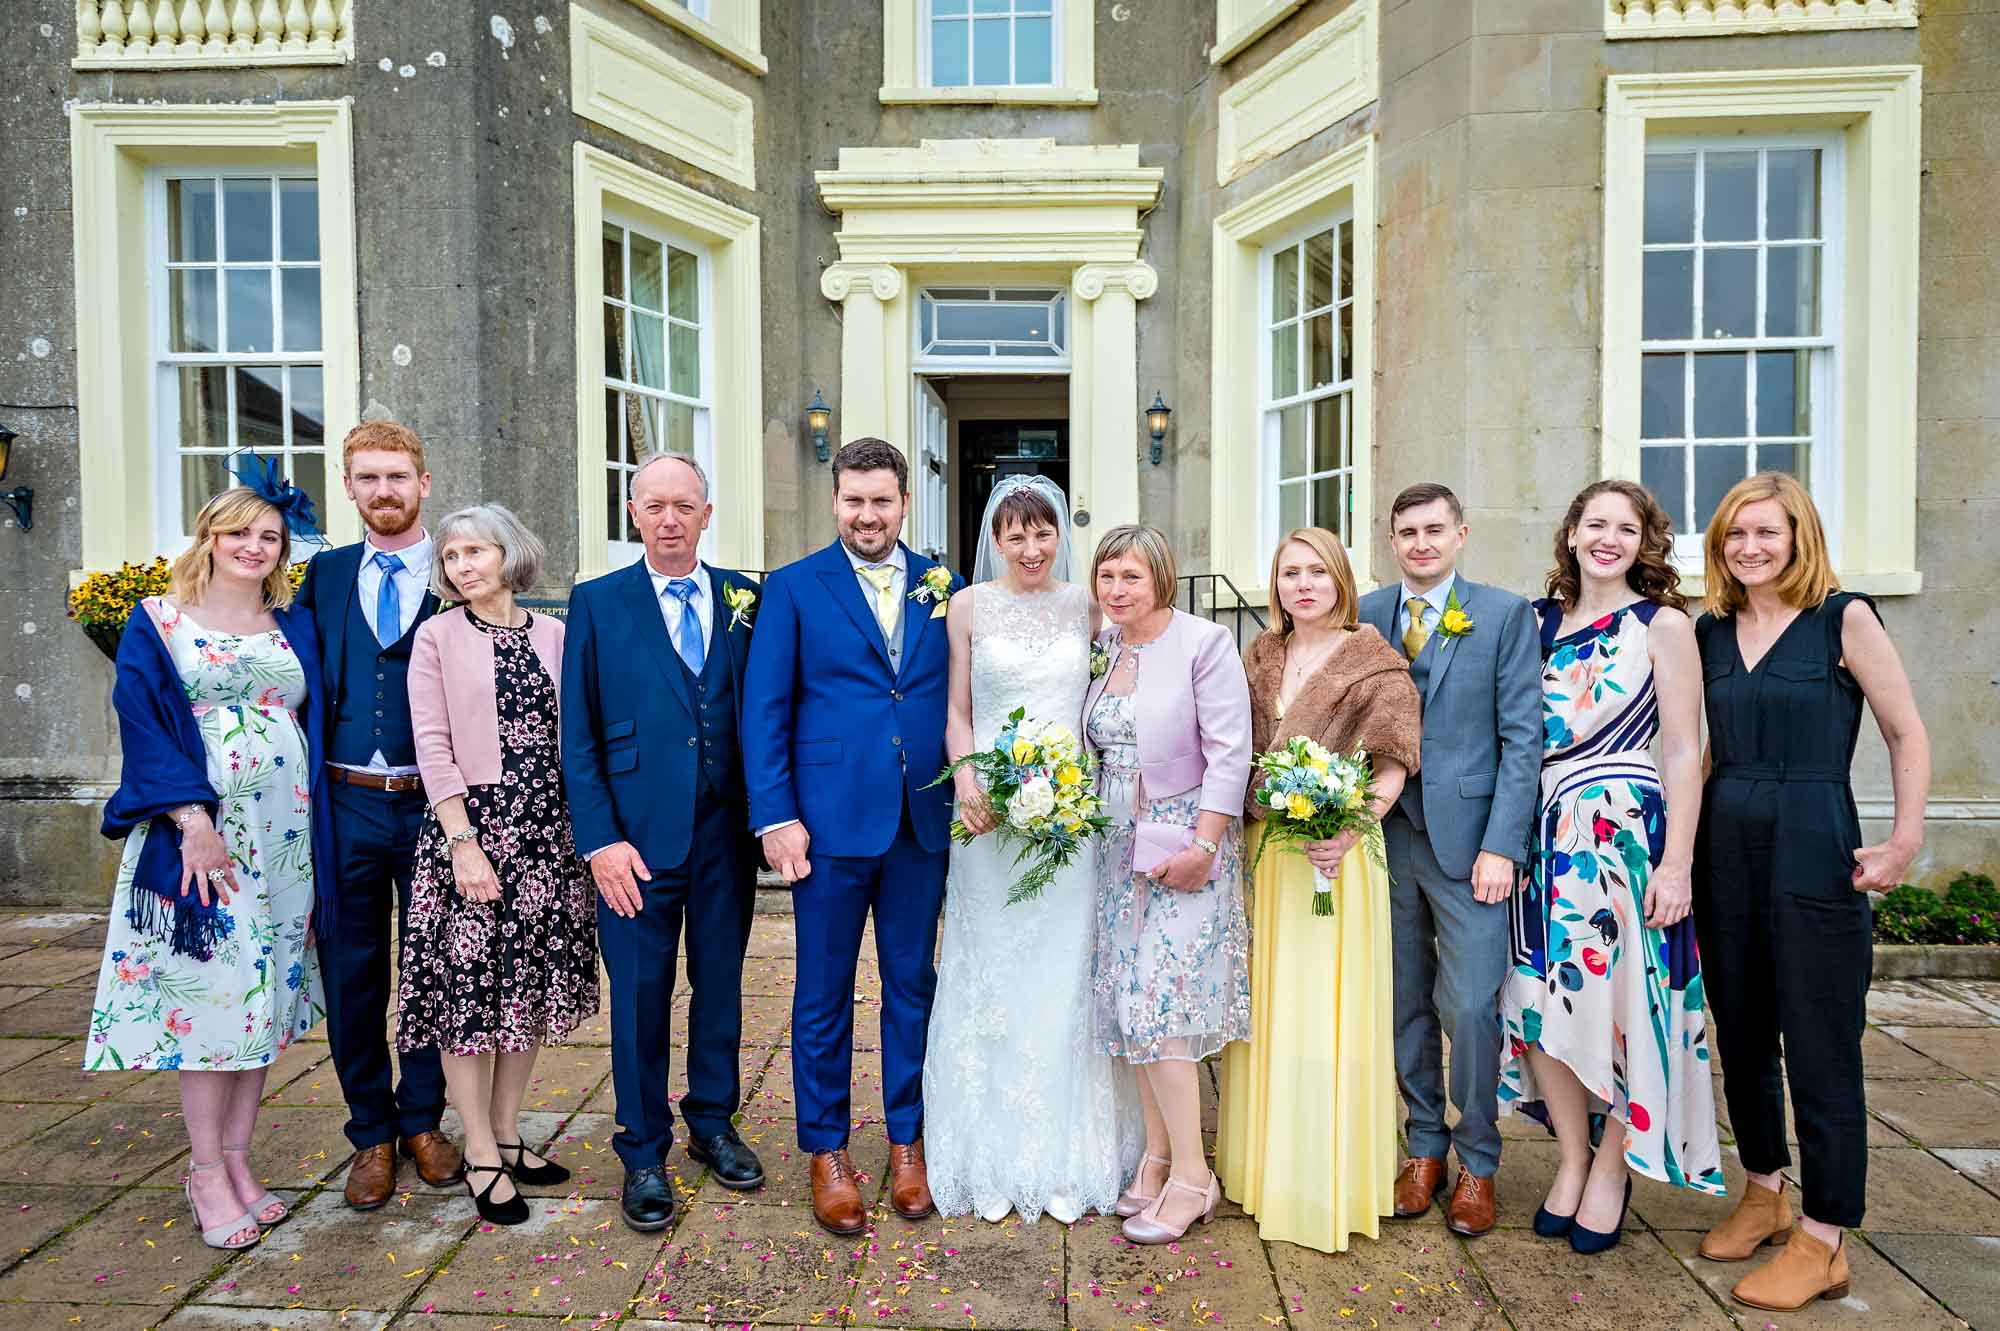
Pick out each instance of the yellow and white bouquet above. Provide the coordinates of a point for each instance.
(1041, 784)
(1309, 793)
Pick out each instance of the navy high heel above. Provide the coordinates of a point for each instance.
(1550, 1225)
(1589, 1242)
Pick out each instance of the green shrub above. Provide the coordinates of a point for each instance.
(1968, 912)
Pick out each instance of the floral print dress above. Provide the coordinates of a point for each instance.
(157, 1010)
(514, 974)
(1620, 1003)
(1172, 973)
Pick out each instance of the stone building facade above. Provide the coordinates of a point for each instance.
(1509, 244)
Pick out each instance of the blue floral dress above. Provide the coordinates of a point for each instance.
(261, 990)
(1619, 1003)
(1172, 973)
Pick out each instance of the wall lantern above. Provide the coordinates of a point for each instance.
(21, 499)
(818, 417)
(1156, 425)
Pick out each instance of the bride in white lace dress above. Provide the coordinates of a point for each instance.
(1022, 1109)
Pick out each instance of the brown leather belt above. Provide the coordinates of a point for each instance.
(374, 780)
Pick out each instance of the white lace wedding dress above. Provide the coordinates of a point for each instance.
(1022, 1108)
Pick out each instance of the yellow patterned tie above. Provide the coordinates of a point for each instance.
(882, 577)
(1415, 636)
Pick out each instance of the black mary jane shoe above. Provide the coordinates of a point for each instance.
(545, 1175)
(647, 1202)
(513, 1211)
(1588, 1242)
(733, 1163)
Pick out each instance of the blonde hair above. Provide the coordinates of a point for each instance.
(1149, 546)
(1807, 580)
(1331, 553)
(521, 551)
(230, 512)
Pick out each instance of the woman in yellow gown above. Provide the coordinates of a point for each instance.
(1306, 1140)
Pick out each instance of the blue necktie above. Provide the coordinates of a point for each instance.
(690, 643)
(388, 604)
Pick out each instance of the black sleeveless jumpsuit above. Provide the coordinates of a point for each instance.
(1785, 939)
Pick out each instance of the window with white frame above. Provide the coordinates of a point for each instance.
(984, 326)
(990, 43)
(1307, 382)
(656, 363)
(236, 335)
(1739, 320)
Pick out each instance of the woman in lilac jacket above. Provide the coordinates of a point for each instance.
(1169, 721)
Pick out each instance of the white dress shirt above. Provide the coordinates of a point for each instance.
(703, 602)
(1435, 600)
(412, 581)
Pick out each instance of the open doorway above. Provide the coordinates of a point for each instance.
(973, 430)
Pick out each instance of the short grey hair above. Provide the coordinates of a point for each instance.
(632, 483)
(521, 551)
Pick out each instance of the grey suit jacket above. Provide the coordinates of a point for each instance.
(1481, 775)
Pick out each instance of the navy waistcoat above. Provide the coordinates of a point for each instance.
(374, 708)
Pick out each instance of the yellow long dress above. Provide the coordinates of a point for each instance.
(1306, 1133)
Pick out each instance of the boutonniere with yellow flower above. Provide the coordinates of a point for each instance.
(1454, 623)
(934, 586)
(740, 601)
(1100, 662)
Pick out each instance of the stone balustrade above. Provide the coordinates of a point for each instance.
(1697, 18)
(176, 34)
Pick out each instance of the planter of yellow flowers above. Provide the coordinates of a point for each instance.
(102, 602)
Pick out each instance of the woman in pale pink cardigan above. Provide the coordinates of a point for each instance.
(500, 950)
(1170, 724)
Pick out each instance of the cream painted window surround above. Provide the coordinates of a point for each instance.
(1870, 500)
(177, 34)
(1241, 22)
(1309, 84)
(903, 61)
(606, 183)
(1723, 18)
(1335, 187)
(728, 27)
(112, 149)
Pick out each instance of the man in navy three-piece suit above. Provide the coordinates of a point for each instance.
(843, 736)
(652, 709)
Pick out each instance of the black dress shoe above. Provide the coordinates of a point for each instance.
(734, 1164)
(648, 1200)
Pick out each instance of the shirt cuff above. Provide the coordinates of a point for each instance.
(766, 831)
(599, 851)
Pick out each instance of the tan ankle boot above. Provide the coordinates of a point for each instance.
(1805, 1270)
(1762, 1216)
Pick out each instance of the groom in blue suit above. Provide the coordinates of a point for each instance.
(652, 689)
(843, 734)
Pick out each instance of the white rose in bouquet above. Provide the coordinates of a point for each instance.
(1036, 799)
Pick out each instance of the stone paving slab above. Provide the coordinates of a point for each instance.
(96, 1232)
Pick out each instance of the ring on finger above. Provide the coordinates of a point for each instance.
(217, 875)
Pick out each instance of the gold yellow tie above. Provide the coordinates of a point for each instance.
(1415, 636)
(882, 577)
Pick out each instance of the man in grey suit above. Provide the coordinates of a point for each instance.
(1456, 841)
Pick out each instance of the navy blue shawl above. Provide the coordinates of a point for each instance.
(165, 767)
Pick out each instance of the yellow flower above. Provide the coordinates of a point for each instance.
(1354, 799)
(1069, 774)
(1024, 751)
(1319, 765)
(1299, 806)
(1456, 622)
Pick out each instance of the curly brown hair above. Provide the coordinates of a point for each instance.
(1652, 574)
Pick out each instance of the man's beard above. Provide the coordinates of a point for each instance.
(389, 521)
(883, 540)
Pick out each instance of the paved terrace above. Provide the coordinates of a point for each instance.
(94, 1232)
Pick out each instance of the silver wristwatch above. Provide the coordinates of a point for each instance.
(1206, 846)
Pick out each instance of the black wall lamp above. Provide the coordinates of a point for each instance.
(819, 417)
(1156, 425)
(21, 499)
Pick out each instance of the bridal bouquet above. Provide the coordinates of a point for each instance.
(1311, 794)
(1039, 781)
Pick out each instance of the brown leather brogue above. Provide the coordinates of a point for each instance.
(910, 1181)
(1473, 1203)
(438, 1161)
(1417, 1185)
(371, 1178)
(837, 1194)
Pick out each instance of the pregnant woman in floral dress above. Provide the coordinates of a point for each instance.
(1603, 1011)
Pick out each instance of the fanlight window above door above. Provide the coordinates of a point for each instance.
(981, 326)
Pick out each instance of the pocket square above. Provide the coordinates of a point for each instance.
(937, 611)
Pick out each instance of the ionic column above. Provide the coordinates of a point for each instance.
(1108, 482)
(861, 289)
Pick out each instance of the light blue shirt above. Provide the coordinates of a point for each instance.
(898, 585)
(1435, 601)
(670, 607)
